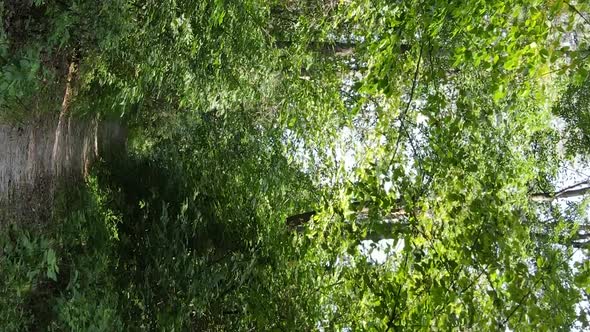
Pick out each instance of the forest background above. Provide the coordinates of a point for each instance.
(238, 165)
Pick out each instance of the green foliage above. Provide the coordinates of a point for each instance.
(574, 110)
(242, 113)
(61, 275)
(27, 263)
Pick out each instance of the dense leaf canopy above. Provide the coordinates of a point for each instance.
(307, 165)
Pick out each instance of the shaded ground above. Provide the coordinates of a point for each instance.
(39, 155)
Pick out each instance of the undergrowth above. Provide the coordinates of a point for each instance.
(58, 278)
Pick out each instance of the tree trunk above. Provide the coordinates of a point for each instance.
(339, 49)
(568, 192)
(377, 231)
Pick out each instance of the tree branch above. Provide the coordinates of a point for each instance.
(412, 90)
(572, 7)
(519, 304)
